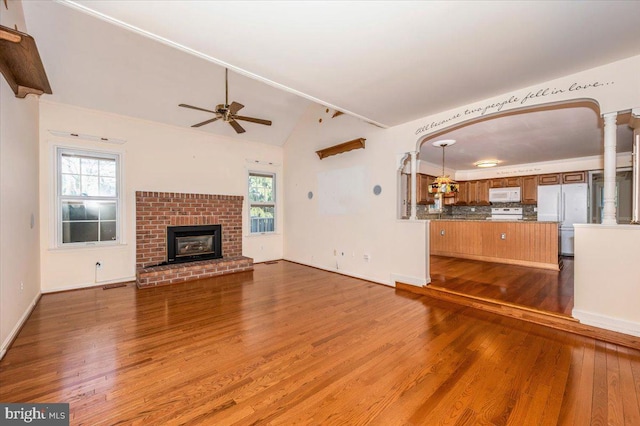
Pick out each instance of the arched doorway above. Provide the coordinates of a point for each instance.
(548, 151)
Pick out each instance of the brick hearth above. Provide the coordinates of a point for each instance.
(155, 211)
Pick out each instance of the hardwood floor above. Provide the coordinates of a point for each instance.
(536, 288)
(289, 344)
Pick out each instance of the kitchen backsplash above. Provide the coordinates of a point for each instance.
(474, 212)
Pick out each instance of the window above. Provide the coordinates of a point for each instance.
(87, 197)
(262, 202)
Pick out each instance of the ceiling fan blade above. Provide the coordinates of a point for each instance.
(253, 120)
(235, 107)
(206, 122)
(199, 109)
(236, 126)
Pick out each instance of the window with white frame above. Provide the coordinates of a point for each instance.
(87, 197)
(262, 202)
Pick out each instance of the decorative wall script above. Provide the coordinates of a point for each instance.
(513, 99)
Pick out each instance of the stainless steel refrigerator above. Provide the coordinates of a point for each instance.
(567, 205)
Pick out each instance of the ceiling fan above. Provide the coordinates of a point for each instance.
(228, 112)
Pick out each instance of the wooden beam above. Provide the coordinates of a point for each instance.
(343, 147)
(21, 65)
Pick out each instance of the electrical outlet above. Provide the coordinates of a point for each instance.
(21, 286)
(367, 257)
(98, 265)
(503, 236)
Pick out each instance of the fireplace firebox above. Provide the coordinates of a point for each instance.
(193, 243)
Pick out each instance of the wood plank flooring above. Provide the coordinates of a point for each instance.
(541, 289)
(288, 344)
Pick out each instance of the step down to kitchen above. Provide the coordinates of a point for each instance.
(523, 313)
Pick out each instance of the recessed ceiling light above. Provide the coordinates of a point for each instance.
(486, 163)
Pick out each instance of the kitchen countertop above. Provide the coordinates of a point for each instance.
(465, 219)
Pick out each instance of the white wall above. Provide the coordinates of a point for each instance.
(344, 216)
(368, 224)
(156, 157)
(608, 273)
(19, 255)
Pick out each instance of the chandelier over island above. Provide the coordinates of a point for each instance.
(443, 183)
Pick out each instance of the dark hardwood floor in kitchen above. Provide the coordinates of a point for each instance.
(289, 344)
(540, 289)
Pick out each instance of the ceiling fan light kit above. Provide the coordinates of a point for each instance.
(227, 112)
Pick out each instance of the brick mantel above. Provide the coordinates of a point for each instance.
(155, 211)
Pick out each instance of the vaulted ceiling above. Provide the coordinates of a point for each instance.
(386, 62)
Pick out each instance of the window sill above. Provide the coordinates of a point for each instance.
(263, 234)
(87, 246)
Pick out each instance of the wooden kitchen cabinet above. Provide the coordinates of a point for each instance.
(529, 190)
(513, 182)
(478, 192)
(549, 179)
(508, 182)
(574, 177)
(497, 183)
(422, 189)
(472, 193)
(482, 194)
(462, 197)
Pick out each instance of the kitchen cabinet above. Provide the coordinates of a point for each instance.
(450, 199)
(422, 189)
(497, 183)
(508, 182)
(529, 189)
(482, 193)
(478, 192)
(513, 182)
(462, 197)
(549, 179)
(512, 242)
(574, 177)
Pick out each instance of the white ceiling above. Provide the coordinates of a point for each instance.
(531, 137)
(387, 62)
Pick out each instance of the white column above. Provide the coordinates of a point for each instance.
(609, 196)
(414, 185)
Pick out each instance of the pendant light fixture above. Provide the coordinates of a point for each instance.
(443, 183)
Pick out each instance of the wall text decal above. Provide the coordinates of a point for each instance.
(513, 99)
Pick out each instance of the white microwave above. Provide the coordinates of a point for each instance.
(504, 195)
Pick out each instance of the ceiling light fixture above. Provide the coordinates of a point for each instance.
(443, 183)
(486, 163)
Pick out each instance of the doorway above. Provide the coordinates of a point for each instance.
(624, 196)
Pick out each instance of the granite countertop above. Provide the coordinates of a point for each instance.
(482, 219)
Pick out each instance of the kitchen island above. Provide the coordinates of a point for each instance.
(514, 242)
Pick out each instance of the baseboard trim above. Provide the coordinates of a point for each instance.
(6, 345)
(607, 322)
(339, 272)
(405, 279)
(89, 285)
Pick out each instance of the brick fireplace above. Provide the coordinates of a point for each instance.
(155, 211)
